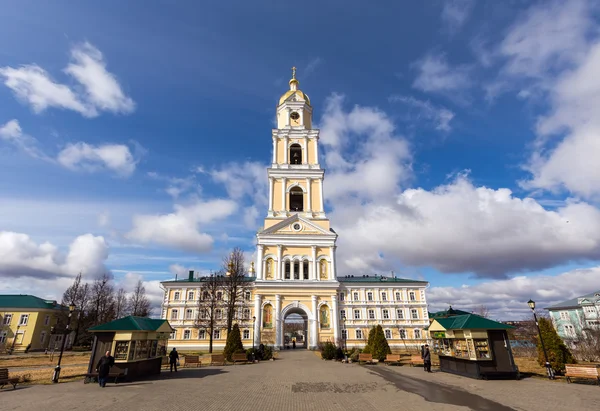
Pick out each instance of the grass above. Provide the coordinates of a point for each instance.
(44, 376)
(44, 360)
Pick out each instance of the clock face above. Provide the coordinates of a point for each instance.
(294, 116)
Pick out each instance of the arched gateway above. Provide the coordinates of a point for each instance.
(295, 320)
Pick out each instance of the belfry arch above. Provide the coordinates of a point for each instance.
(296, 199)
(295, 154)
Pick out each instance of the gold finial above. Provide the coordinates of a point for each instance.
(294, 73)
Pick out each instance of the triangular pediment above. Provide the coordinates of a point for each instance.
(288, 226)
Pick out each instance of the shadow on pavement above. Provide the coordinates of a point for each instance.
(186, 373)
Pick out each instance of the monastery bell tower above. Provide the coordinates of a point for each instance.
(296, 243)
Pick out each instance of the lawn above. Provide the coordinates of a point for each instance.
(44, 360)
(44, 375)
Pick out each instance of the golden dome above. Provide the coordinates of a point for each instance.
(294, 90)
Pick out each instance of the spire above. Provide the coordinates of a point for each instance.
(293, 82)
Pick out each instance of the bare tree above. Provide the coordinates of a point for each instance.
(77, 294)
(235, 284)
(121, 303)
(482, 311)
(102, 300)
(139, 304)
(211, 306)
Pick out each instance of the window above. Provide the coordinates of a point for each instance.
(42, 337)
(219, 314)
(201, 334)
(189, 314)
(246, 335)
(398, 296)
(190, 295)
(203, 313)
(386, 315)
(47, 320)
(590, 310)
(295, 153)
(342, 296)
(187, 334)
(344, 334)
(217, 334)
(219, 296)
(305, 269)
(383, 296)
(564, 315)
(247, 295)
(403, 334)
(7, 319)
(343, 314)
(411, 296)
(172, 336)
(418, 334)
(287, 268)
(369, 296)
(296, 199)
(359, 334)
(388, 334)
(569, 331)
(246, 314)
(24, 319)
(357, 314)
(3, 337)
(414, 314)
(400, 313)
(176, 295)
(355, 296)
(296, 270)
(174, 314)
(371, 314)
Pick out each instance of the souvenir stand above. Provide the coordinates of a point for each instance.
(138, 345)
(473, 346)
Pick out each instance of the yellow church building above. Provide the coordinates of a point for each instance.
(295, 270)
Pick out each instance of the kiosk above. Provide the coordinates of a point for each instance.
(473, 346)
(138, 345)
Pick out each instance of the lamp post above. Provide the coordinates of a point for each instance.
(345, 333)
(253, 325)
(549, 369)
(56, 374)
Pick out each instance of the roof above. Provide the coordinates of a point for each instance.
(202, 279)
(471, 322)
(29, 302)
(376, 279)
(575, 302)
(447, 313)
(131, 323)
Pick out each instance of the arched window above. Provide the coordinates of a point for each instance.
(295, 154)
(323, 269)
(296, 270)
(287, 270)
(305, 269)
(269, 267)
(296, 199)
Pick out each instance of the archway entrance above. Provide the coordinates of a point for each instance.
(295, 329)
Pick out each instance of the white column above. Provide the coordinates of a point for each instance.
(264, 269)
(271, 187)
(283, 199)
(321, 199)
(259, 262)
(305, 153)
(334, 318)
(314, 325)
(279, 275)
(287, 120)
(315, 271)
(275, 150)
(309, 201)
(258, 322)
(292, 270)
(316, 142)
(332, 273)
(301, 119)
(286, 152)
(278, 322)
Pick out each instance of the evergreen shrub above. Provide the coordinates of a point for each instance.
(558, 352)
(234, 343)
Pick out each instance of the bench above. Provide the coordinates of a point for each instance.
(217, 359)
(192, 360)
(582, 371)
(93, 376)
(4, 379)
(241, 357)
(392, 359)
(416, 360)
(366, 358)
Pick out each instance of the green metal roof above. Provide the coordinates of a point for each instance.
(471, 322)
(447, 313)
(376, 279)
(28, 302)
(131, 323)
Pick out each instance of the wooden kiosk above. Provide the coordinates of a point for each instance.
(138, 345)
(473, 346)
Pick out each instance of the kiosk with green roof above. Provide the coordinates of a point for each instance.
(138, 345)
(473, 346)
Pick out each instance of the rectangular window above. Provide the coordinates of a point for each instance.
(172, 337)
(414, 314)
(564, 315)
(174, 314)
(383, 296)
(342, 295)
(246, 335)
(187, 334)
(203, 314)
(205, 295)
(388, 334)
(355, 296)
(42, 337)
(398, 296)
(189, 314)
(24, 319)
(357, 314)
(369, 296)
(3, 337)
(201, 334)
(219, 314)
(411, 296)
(47, 320)
(344, 334)
(217, 334)
(402, 334)
(247, 295)
(371, 314)
(219, 296)
(386, 315)
(190, 295)
(176, 295)
(400, 313)
(417, 334)
(7, 319)
(359, 334)
(246, 314)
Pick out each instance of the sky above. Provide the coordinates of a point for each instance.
(460, 140)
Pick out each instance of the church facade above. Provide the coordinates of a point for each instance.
(295, 271)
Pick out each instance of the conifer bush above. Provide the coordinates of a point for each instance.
(329, 351)
(234, 343)
(558, 353)
(377, 344)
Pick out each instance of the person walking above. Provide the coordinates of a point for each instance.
(103, 368)
(427, 359)
(422, 354)
(173, 358)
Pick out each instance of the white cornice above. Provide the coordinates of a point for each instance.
(295, 172)
(296, 284)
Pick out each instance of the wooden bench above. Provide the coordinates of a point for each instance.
(392, 359)
(582, 371)
(241, 357)
(4, 379)
(416, 360)
(366, 358)
(93, 376)
(192, 360)
(217, 359)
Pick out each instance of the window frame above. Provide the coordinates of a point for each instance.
(414, 314)
(189, 314)
(356, 314)
(174, 314)
(412, 296)
(386, 314)
(369, 296)
(7, 319)
(176, 296)
(23, 320)
(371, 314)
(384, 296)
(190, 295)
(358, 334)
(388, 334)
(355, 296)
(246, 334)
(400, 313)
(202, 334)
(187, 334)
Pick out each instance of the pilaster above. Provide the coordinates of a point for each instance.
(258, 316)
(278, 322)
(314, 338)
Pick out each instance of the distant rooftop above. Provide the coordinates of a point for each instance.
(576, 302)
(201, 279)
(374, 278)
(131, 323)
(471, 322)
(447, 313)
(27, 301)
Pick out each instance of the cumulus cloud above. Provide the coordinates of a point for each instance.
(180, 229)
(12, 133)
(435, 74)
(439, 117)
(21, 256)
(85, 157)
(455, 14)
(98, 90)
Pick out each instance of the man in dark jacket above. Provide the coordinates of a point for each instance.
(103, 368)
(427, 358)
(173, 357)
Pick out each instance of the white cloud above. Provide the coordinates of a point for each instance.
(455, 13)
(436, 75)
(85, 157)
(12, 133)
(507, 299)
(177, 186)
(181, 229)
(100, 90)
(20, 256)
(439, 117)
(312, 66)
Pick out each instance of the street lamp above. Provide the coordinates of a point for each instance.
(253, 325)
(56, 374)
(549, 369)
(345, 337)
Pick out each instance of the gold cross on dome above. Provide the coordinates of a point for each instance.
(294, 73)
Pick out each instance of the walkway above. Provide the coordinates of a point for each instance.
(300, 381)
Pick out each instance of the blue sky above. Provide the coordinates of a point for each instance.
(134, 138)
